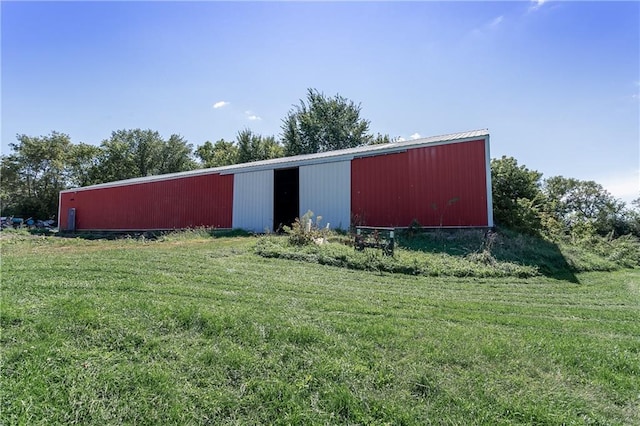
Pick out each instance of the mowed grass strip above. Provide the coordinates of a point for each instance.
(203, 331)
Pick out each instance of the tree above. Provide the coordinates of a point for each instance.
(137, 153)
(145, 148)
(10, 186)
(517, 197)
(115, 161)
(270, 148)
(584, 205)
(380, 139)
(248, 146)
(253, 147)
(324, 124)
(633, 216)
(176, 156)
(222, 153)
(82, 164)
(34, 174)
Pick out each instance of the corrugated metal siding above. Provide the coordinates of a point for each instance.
(170, 204)
(253, 200)
(443, 185)
(325, 189)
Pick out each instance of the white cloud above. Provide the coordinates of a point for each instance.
(401, 139)
(488, 26)
(537, 4)
(220, 104)
(415, 136)
(251, 116)
(496, 21)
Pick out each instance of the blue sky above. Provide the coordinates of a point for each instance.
(556, 83)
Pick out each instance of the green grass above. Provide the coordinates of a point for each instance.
(201, 330)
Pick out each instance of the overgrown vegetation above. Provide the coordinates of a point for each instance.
(559, 208)
(591, 229)
(466, 253)
(190, 329)
(340, 252)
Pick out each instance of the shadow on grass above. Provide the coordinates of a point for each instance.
(504, 246)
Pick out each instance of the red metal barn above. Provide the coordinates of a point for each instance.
(442, 181)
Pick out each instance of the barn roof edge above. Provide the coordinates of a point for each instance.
(301, 160)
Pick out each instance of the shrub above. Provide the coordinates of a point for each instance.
(305, 231)
(405, 262)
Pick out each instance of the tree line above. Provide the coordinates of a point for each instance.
(557, 206)
(38, 168)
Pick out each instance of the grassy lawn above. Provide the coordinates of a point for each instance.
(203, 331)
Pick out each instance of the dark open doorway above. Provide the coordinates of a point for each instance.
(286, 197)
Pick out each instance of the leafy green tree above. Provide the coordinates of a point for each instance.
(517, 195)
(115, 162)
(145, 147)
(628, 220)
(10, 186)
(254, 147)
(137, 153)
(583, 205)
(34, 174)
(176, 156)
(324, 124)
(38, 168)
(222, 153)
(81, 165)
(633, 217)
(380, 139)
(270, 148)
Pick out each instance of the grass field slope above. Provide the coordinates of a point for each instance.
(196, 330)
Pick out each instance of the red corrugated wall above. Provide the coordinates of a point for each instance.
(442, 185)
(205, 200)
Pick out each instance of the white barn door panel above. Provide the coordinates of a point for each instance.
(253, 200)
(325, 189)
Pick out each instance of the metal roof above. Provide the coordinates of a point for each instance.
(302, 160)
